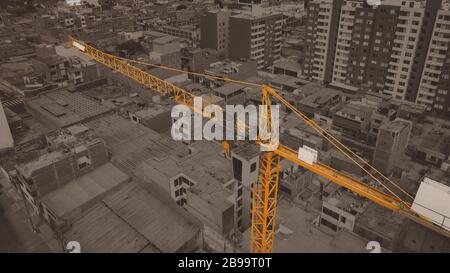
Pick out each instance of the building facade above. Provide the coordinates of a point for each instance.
(256, 38)
(434, 87)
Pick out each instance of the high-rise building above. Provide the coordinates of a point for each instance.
(434, 89)
(376, 46)
(398, 48)
(256, 37)
(322, 26)
(214, 26)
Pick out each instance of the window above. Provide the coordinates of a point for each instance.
(330, 213)
(83, 162)
(237, 169)
(328, 224)
(253, 167)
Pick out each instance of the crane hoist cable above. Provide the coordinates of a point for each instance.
(286, 152)
(307, 120)
(329, 137)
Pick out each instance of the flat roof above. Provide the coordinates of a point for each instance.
(165, 39)
(76, 108)
(67, 52)
(6, 139)
(163, 74)
(354, 109)
(249, 17)
(344, 86)
(380, 220)
(395, 126)
(149, 112)
(320, 97)
(432, 201)
(50, 60)
(131, 144)
(436, 142)
(288, 65)
(346, 202)
(70, 200)
(154, 33)
(228, 88)
(247, 150)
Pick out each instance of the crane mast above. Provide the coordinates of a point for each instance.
(265, 190)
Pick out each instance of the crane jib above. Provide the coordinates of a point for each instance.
(184, 97)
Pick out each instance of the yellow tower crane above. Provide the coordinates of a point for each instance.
(265, 190)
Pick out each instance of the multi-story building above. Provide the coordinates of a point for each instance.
(434, 89)
(188, 32)
(340, 210)
(320, 42)
(256, 37)
(406, 42)
(393, 137)
(377, 46)
(166, 51)
(397, 48)
(214, 27)
(190, 177)
(54, 69)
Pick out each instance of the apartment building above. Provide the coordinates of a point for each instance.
(347, 31)
(321, 26)
(406, 43)
(256, 37)
(377, 46)
(434, 90)
(398, 48)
